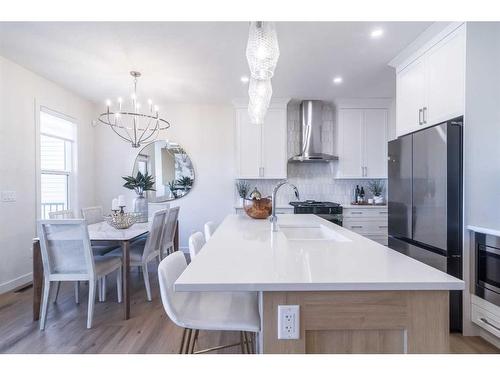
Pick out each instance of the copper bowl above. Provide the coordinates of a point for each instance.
(258, 208)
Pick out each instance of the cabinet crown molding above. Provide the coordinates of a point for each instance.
(425, 41)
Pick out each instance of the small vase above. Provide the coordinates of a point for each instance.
(378, 199)
(141, 208)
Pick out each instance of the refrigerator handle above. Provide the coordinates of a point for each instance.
(420, 111)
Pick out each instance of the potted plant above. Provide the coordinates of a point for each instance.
(140, 184)
(377, 188)
(185, 182)
(173, 189)
(243, 188)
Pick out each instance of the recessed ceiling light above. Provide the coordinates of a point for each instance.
(244, 79)
(377, 33)
(337, 80)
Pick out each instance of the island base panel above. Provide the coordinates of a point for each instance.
(360, 322)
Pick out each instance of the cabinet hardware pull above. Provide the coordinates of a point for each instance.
(357, 213)
(424, 111)
(356, 226)
(382, 226)
(420, 111)
(485, 321)
(382, 212)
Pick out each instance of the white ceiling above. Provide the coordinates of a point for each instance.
(202, 62)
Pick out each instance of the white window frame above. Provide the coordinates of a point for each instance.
(71, 174)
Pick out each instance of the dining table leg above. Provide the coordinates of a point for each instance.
(126, 278)
(37, 279)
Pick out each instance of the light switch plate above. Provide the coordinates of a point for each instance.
(8, 196)
(288, 322)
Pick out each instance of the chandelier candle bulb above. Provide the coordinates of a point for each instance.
(114, 205)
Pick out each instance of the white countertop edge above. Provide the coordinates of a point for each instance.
(493, 232)
(279, 207)
(311, 287)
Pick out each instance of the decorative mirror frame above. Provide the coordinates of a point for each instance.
(142, 158)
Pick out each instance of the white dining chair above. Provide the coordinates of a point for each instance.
(169, 231)
(63, 214)
(214, 311)
(196, 242)
(93, 214)
(67, 256)
(141, 254)
(97, 249)
(209, 230)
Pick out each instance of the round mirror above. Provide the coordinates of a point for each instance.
(171, 168)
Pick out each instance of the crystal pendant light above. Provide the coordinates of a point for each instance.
(259, 92)
(262, 49)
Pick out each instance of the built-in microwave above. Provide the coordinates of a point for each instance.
(488, 267)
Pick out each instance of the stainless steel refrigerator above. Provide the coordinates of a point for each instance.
(425, 201)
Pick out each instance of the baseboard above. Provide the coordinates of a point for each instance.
(16, 283)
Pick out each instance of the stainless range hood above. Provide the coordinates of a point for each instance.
(311, 117)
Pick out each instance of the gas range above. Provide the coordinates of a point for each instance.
(327, 210)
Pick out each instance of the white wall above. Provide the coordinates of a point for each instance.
(207, 134)
(481, 145)
(19, 89)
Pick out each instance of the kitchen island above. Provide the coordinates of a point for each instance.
(355, 295)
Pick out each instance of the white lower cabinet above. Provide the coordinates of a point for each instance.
(370, 222)
(486, 315)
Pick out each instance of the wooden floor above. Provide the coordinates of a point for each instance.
(148, 331)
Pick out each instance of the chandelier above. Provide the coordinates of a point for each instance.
(262, 55)
(129, 123)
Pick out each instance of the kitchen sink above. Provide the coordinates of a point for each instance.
(311, 233)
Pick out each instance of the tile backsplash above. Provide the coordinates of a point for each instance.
(314, 180)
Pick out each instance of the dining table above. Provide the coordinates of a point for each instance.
(99, 233)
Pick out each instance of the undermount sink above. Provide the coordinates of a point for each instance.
(309, 233)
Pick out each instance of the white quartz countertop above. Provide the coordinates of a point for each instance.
(244, 255)
(493, 232)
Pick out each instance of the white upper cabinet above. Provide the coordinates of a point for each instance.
(261, 150)
(375, 150)
(431, 88)
(446, 78)
(410, 97)
(362, 144)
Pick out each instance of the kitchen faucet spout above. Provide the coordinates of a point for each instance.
(274, 219)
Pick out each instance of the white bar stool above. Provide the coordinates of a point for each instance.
(214, 311)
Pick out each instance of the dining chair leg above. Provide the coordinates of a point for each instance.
(119, 284)
(77, 292)
(146, 280)
(58, 287)
(45, 303)
(90, 312)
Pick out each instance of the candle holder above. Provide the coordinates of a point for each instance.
(121, 209)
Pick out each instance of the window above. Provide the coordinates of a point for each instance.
(57, 138)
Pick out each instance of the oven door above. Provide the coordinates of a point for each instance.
(333, 218)
(488, 273)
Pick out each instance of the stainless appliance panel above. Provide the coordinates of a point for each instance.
(400, 187)
(428, 257)
(430, 219)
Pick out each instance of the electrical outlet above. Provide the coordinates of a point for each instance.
(8, 196)
(288, 322)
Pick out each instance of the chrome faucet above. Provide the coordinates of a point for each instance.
(274, 219)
